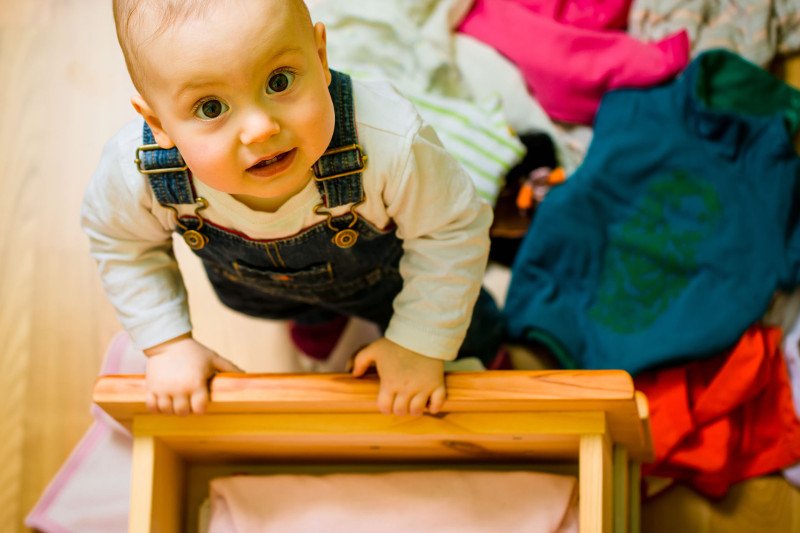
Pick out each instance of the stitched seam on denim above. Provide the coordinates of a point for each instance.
(345, 189)
(269, 254)
(328, 285)
(278, 254)
(171, 187)
(305, 275)
(342, 221)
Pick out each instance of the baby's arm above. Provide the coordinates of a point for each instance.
(445, 233)
(409, 381)
(130, 237)
(177, 375)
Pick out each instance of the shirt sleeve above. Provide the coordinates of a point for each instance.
(130, 238)
(444, 227)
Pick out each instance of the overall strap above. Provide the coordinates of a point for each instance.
(338, 172)
(166, 171)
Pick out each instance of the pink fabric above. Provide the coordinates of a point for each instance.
(570, 52)
(791, 354)
(587, 14)
(441, 501)
(91, 491)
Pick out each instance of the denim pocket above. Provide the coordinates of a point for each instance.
(313, 284)
(312, 275)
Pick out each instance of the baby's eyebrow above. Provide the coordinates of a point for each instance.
(289, 49)
(195, 84)
(191, 86)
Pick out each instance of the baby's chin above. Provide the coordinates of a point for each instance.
(270, 199)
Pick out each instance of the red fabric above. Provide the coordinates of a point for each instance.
(318, 340)
(725, 419)
(571, 52)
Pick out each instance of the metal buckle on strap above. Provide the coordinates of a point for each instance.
(362, 161)
(148, 148)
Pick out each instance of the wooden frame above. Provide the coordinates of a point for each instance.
(593, 417)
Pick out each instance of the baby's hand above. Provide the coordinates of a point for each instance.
(409, 381)
(177, 375)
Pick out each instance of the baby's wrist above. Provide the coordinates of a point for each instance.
(160, 348)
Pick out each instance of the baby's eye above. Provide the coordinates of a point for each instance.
(210, 109)
(279, 82)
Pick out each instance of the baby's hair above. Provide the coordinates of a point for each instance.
(127, 15)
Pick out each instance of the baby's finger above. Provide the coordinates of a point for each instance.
(151, 402)
(199, 401)
(437, 400)
(351, 361)
(180, 405)
(361, 363)
(385, 401)
(417, 405)
(400, 407)
(165, 404)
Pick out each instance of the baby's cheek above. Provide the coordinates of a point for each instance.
(208, 162)
(316, 120)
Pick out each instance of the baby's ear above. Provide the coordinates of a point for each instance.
(322, 51)
(144, 109)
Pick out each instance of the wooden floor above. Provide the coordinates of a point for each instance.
(63, 92)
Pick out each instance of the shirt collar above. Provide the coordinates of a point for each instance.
(725, 97)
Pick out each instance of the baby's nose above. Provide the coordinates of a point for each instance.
(258, 127)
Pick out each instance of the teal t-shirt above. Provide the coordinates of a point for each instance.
(673, 235)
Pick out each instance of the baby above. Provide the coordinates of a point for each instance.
(307, 196)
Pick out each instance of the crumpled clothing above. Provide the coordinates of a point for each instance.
(722, 420)
(416, 53)
(785, 311)
(638, 260)
(756, 29)
(409, 42)
(571, 57)
(91, 492)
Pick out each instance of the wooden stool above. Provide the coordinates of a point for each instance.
(594, 418)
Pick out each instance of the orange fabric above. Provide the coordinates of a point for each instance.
(721, 420)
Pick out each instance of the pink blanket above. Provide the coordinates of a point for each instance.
(91, 492)
(571, 52)
(437, 501)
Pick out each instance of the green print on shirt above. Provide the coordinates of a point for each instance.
(651, 256)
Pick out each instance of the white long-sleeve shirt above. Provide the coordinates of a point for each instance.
(410, 181)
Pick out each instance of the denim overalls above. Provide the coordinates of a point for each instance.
(342, 266)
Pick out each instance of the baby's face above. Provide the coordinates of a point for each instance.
(242, 91)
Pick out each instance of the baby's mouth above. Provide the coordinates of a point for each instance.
(266, 162)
